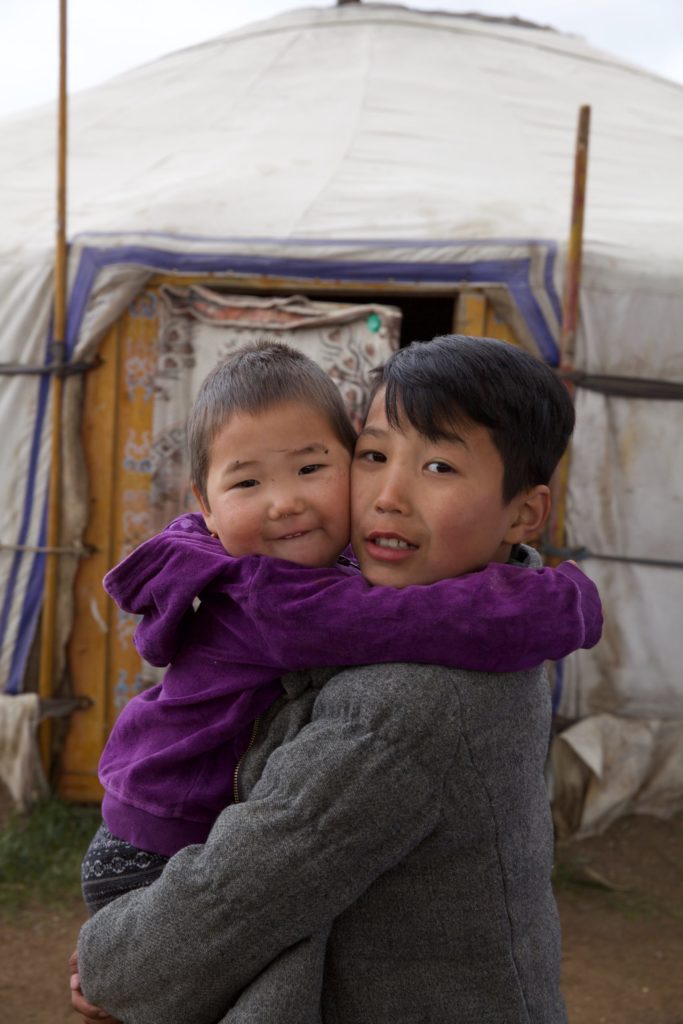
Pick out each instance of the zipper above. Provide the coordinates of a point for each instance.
(235, 776)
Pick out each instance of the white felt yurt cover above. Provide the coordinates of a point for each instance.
(362, 143)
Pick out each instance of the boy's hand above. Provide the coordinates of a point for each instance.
(91, 1014)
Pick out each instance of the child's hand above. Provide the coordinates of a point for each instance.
(91, 1014)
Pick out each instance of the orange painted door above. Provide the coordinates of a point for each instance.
(116, 430)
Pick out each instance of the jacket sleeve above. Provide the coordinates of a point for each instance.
(347, 799)
(160, 580)
(267, 611)
(502, 619)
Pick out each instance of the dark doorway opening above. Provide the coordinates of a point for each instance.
(423, 316)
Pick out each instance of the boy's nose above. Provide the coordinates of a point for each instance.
(392, 495)
(283, 505)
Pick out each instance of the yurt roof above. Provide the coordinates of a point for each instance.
(360, 121)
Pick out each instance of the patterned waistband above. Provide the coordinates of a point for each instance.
(112, 867)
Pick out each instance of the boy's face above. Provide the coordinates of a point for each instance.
(426, 510)
(278, 485)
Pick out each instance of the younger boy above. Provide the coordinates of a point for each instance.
(270, 449)
(399, 808)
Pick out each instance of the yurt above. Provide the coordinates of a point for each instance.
(350, 178)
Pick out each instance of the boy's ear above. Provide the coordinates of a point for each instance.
(531, 509)
(206, 511)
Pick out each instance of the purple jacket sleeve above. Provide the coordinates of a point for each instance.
(275, 613)
(502, 619)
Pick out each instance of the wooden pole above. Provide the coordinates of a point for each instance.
(572, 281)
(570, 318)
(48, 651)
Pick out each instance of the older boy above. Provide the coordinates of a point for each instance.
(400, 808)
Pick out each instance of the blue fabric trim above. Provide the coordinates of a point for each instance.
(558, 687)
(549, 281)
(513, 273)
(88, 268)
(339, 243)
(28, 614)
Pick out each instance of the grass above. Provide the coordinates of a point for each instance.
(41, 852)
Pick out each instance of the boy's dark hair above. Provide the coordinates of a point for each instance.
(251, 380)
(443, 384)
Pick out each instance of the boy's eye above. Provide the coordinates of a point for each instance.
(246, 483)
(436, 466)
(371, 456)
(312, 468)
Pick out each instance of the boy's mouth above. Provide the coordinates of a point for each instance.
(392, 542)
(388, 546)
(293, 536)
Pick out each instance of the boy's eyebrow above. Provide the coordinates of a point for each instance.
(444, 435)
(233, 467)
(306, 450)
(450, 435)
(313, 448)
(372, 432)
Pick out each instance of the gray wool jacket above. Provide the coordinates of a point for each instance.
(389, 863)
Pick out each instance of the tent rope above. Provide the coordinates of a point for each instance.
(58, 369)
(581, 553)
(78, 551)
(625, 387)
(60, 707)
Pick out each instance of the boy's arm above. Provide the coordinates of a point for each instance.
(502, 619)
(370, 764)
(276, 613)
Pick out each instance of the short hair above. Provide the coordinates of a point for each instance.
(251, 380)
(443, 384)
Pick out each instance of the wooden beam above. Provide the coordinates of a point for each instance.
(557, 528)
(48, 654)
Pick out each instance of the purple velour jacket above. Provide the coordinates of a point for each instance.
(168, 766)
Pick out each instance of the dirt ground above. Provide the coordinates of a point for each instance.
(621, 903)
